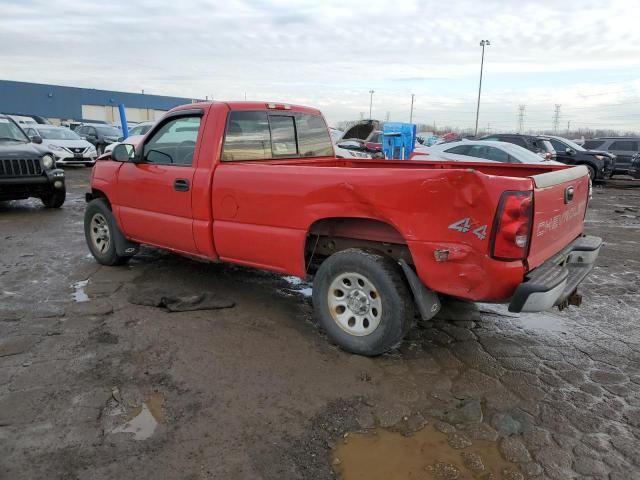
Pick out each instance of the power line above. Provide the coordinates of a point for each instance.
(556, 118)
(521, 109)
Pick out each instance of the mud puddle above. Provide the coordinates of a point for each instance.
(79, 294)
(299, 286)
(144, 419)
(426, 455)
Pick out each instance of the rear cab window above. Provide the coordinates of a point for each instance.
(262, 135)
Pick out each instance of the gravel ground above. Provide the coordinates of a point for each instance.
(94, 385)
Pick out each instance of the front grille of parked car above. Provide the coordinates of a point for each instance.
(20, 167)
(77, 150)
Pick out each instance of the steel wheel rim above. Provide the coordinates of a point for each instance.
(99, 231)
(355, 304)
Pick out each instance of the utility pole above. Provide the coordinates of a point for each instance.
(521, 108)
(483, 43)
(386, 117)
(411, 114)
(371, 92)
(556, 118)
(568, 127)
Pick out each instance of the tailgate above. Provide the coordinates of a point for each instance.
(560, 199)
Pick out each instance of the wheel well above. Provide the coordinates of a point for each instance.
(330, 235)
(95, 193)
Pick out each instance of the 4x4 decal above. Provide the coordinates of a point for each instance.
(465, 225)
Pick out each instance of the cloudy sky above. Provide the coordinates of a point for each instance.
(581, 54)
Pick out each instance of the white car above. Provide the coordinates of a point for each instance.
(66, 145)
(336, 136)
(479, 151)
(138, 131)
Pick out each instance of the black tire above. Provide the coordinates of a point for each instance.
(55, 199)
(592, 172)
(392, 294)
(98, 222)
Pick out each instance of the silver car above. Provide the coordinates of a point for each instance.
(66, 145)
(479, 151)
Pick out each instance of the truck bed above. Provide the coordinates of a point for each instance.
(498, 169)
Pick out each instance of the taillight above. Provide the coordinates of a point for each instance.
(512, 227)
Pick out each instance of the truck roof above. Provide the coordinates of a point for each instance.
(251, 105)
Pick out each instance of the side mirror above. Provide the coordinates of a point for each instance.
(120, 139)
(36, 139)
(570, 151)
(123, 152)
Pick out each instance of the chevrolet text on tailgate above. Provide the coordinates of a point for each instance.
(258, 184)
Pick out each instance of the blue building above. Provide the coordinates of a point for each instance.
(63, 105)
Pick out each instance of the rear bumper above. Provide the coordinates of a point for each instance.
(553, 282)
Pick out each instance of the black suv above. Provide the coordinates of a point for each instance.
(624, 148)
(99, 135)
(601, 164)
(27, 169)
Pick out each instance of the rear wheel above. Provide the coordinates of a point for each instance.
(362, 300)
(99, 232)
(54, 199)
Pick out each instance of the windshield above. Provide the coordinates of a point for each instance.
(9, 131)
(109, 131)
(58, 134)
(570, 144)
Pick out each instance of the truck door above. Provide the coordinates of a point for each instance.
(154, 194)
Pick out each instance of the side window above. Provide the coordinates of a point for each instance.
(479, 151)
(559, 147)
(30, 132)
(92, 131)
(624, 146)
(283, 136)
(313, 136)
(497, 155)
(459, 150)
(518, 141)
(247, 137)
(593, 144)
(80, 131)
(174, 143)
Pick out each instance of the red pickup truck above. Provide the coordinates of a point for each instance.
(258, 184)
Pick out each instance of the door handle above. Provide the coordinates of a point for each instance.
(181, 185)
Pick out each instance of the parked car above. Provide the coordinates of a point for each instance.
(634, 169)
(67, 147)
(130, 139)
(382, 239)
(99, 135)
(532, 143)
(478, 151)
(364, 136)
(137, 131)
(624, 148)
(601, 165)
(27, 169)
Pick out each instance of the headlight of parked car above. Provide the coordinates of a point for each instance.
(56, 148)
(599, 157)
(47, 161)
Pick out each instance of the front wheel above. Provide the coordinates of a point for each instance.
(99, 232)
(363, 302)
(54, 199)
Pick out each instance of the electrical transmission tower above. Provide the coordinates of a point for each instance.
(556, 118)
(521, 109)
